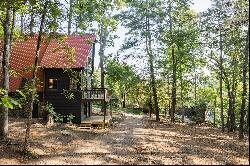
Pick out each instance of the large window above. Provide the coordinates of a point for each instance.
(52, 83)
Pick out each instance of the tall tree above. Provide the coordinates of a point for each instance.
(243, 17)
(151, 62)
(5, 66)
(34, 78)
(173, 58)
(142, 20)
(214, 18)
(70, 13)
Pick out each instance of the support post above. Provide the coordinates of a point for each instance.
(104, 114)
(110, 107)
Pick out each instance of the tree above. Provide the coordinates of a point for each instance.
(242, 17)
(70, 16)
(217, 12)
(180, 44)
(142, 19)
(5, 66)
(121, 79)
(33, 83)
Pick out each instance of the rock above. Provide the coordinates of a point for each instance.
(65, 132)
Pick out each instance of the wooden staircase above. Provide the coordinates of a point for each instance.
(95, 122)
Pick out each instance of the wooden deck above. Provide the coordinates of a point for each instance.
(95, 122)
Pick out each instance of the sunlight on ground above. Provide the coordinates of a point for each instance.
(135, 140)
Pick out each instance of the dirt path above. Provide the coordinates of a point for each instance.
(136, 140)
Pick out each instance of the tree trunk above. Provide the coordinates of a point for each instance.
(103, 38)
(244, 91)
(33, 85)
(151, 106)
(70, 16)
(173, 87)
(6, 75)
(173, 96)
(221, 92)
(214, 110)
(22, 24)
(151, 66)
(182, 111)
(13, 26)
(233, 123)
(124, 100)
(195, 85)
(169, 101)
(32, 22)
(92, 65)
(229, 123)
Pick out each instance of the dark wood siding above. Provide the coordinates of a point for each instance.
(56, 97)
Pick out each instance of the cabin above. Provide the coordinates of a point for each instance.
(65, 71)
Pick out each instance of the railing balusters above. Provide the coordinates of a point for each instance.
(96, 94)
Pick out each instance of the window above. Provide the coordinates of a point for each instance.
(72, 85)
(52, 83)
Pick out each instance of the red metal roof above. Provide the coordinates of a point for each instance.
(72, 53)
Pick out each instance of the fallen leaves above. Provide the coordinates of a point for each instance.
(133, 140)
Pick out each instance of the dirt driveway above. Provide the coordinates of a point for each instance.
(135, 140)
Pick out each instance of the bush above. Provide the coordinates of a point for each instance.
(50, 109)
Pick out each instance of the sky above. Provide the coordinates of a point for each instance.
(198, 6)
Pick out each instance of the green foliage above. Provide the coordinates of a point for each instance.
(120, 78)
(50, 109)
(8, 101)
(69, 118)
(58, 117)
(69, 95)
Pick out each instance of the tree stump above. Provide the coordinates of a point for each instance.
(50, 120)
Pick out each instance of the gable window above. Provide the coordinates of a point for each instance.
(72, 85)
(52, 84)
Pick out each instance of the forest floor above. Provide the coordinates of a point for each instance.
(136, 139)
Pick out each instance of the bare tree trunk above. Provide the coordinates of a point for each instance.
(195, 85)
(244, 91)
(169, 102)
(6, 75)
(33, 84)
(233, 95)
(151, 66)
(221, 91)
(173, 87)
(92, 65)
(214, 110)
(151, 106)
(22, 24)
(103, 38)
(182, 111)
(173, 96)
(13, 26)
(229, 108)
(70, 16)
(32, 22)
(124, 100)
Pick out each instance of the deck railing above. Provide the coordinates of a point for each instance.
(96, 94)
